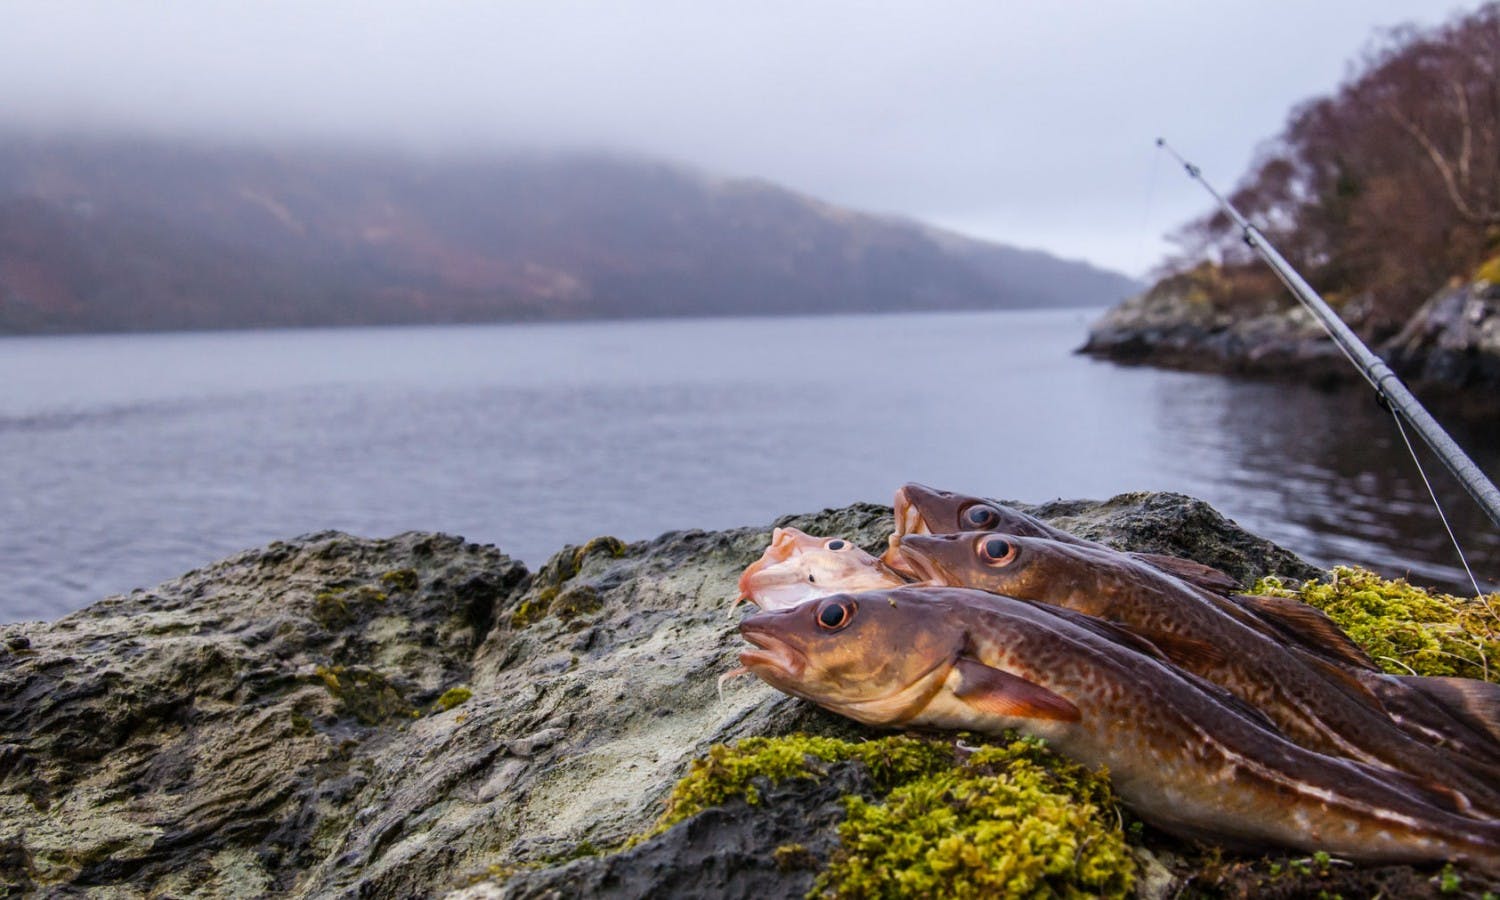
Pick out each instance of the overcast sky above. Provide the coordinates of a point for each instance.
(1029, 123)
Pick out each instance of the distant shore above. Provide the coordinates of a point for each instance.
(1448, 352)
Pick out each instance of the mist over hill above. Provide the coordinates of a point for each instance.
(117, 235)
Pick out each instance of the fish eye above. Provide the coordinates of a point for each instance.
(997, 551)
(837, 544)
(980, 517)
(836, 614)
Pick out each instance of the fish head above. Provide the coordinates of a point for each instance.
(923, 510)
(1019, 566)
(877, 657)
(798, 567)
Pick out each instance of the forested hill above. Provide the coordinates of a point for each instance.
(116, 235)
(1379, 192)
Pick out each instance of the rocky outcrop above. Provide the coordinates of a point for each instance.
(1174, 325)
(1454, 339)
(1450, 347)
(337, 716)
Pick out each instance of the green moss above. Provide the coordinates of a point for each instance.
(339, 607)
(790, 857)
(1449, 881)
(363, 693)
(400, 580)
(1407, 629)
(1007, 820)
(732, 771)
(301, 725)
(451, 698)
(1012, 821)
(330, 610)
(574, 602)
(612, 547)
(550, 592)
(532, 609)
(1489, 270)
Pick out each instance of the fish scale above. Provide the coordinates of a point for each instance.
(1313, 701)
(1179, 752)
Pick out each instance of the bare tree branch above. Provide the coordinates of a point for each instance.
(1444, 168)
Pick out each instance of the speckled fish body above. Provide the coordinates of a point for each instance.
(920, 509)
(1179, 752)
(798, 567)
(1312, 701)
(923, 510)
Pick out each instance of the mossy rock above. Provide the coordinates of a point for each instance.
(400, 580)
(452, 697)
(339, 606)
(1011, 819)
(551, 593)
(1489, 270)
(1407, 629)
(364, 693)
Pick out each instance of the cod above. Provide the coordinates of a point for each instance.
(1187, 756)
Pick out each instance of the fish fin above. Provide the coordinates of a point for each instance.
(1343, 678)
(1308, 626)
(1206, 577)
(1475, 702)
(1182, 651)
(1004, 694)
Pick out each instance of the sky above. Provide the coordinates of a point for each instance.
(1029, 123)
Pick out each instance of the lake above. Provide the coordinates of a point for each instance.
(129, 459)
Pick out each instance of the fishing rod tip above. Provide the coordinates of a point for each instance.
(1161, 142)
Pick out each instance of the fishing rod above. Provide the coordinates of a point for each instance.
(1389, 388)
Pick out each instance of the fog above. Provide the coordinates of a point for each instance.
(1031, 124)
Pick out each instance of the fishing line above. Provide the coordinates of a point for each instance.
(1400, 427)
(1389, 389)
(1478, 594)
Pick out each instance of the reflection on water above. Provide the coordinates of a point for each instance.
(1327, 473)
(125, 460)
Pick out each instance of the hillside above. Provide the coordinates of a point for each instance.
(122, 235)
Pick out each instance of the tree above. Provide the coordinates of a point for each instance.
(1387, 188)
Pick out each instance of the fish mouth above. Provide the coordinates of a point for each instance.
(784, 545)
(919, 565)
(908, 521)
(772, 656)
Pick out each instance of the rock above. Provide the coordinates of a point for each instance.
(1453, 341)
(1177, 324)
(1449, 348)
(1175, 525)
(286, 721)
(727, 851)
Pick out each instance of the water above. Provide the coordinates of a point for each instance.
(126, 460)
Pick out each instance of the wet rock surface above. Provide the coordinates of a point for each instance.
(286, 721)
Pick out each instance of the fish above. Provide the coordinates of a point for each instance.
(920, 509)
(923, 510)
(798, 567)
(1311, 700)
(1177, 754)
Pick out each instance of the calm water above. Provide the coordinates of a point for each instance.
(126, 460)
